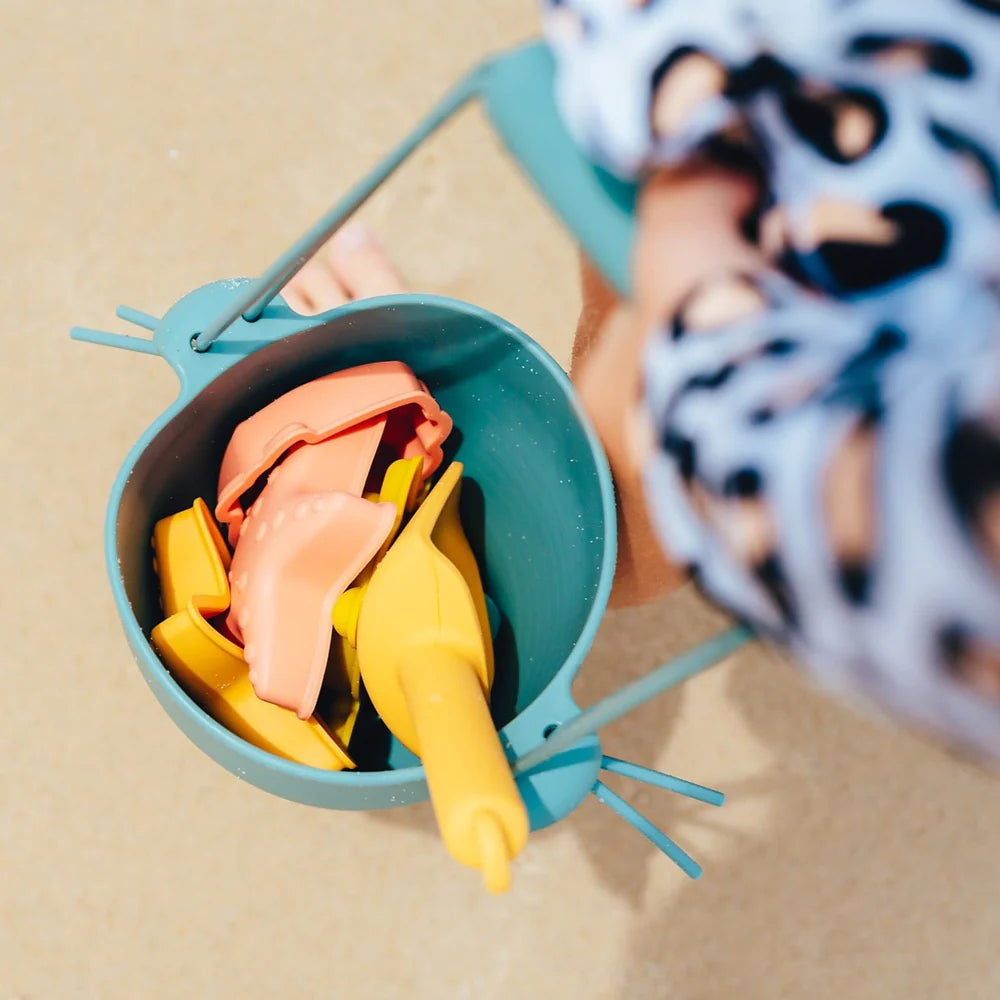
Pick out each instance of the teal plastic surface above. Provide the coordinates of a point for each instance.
(539, 501)
(545, 536)
(598, 209)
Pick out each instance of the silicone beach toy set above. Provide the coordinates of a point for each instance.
(383, 537)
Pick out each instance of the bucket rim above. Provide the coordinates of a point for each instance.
(167, 689)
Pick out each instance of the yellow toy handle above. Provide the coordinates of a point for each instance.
(478, 807)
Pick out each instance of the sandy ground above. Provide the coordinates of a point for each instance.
(149, 147)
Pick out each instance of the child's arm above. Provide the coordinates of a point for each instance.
(688, 231)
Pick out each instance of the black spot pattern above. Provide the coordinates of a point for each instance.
(677, 327)
(682, 450)
(745, 483)
(770, 573)
(953, 641)
(779, 347)
(886, 341)
(854, 577)
(922, 241)
(750, 223)
(858, 384)
(796, 266)
(986, 6)
(765, 72)
(956, 142)
(942, 57)
(738, 150)
(814, 119)
(809, 135)
(971, 467)
(710, 380)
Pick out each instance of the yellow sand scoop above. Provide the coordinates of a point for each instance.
(426, 659)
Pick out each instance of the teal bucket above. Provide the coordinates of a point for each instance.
(538, 505)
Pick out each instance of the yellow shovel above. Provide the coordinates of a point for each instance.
(426, 658)
(191, 560)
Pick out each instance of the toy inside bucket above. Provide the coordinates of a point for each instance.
(537, 505)
(544, 539)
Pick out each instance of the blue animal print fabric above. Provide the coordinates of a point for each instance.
(829, 462)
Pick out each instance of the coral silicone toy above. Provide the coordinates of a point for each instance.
(339, 464)
(320, 409)
(294, 559)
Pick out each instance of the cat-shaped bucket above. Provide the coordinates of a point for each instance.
(539, 504)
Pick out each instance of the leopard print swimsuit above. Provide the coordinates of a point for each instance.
(829, 459)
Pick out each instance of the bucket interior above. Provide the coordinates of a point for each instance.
(532, 502)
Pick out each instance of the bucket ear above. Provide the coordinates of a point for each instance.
(138, 344)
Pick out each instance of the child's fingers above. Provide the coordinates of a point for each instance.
(361, 263)
(295, 300)
(314, 289)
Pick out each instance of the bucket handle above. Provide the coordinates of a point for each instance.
(631, 696)
(517, 90)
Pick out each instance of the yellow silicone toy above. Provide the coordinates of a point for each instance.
(426, 658)
(191, 560)
(402, 487)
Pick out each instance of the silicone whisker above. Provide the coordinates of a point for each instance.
(660, 780)
(634, 818)
(118, 340)
(137, 316)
